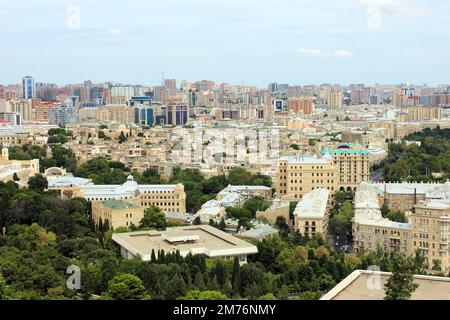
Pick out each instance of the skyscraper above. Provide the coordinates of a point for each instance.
(28, 88)
(170, 85)
(273, 87)
(335, 99)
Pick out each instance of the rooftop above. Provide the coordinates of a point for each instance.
(362, 285)
(201, 239)
(344, 152)
(118, 204)
(307, 159)
(313, 204)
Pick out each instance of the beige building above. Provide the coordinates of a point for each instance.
(301, 105)
(335, 99)
(428, 224)
(24, 169)
(117, 213)
(311, 214)
(353, 165)
(279, 208)
(170, 198)
(22, 106)
(419, 113)
(297, 176)
(371, 231)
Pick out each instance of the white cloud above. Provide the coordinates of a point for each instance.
(310, 51)
(401, 7)
(319, 52)
(115, 32)
(343, 53)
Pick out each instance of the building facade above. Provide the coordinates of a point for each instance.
(312, 213)
(117, 213)
(297, 176)
(353, 165)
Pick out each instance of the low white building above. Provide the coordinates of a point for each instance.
(197, 240)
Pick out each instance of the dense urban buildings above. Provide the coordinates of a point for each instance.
(216, 171)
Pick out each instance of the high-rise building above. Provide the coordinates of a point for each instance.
(144, 115)
(335, 99)
(273, 87)
(283, 87)
(205, 85)
(28, 88)
(170, 85)
(177, 114)
(158, 94)
(399, 99)
(85, 91)
(295, 91)
(301, 105)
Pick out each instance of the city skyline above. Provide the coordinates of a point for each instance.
(256, 42)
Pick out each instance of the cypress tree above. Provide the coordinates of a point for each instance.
(153, 257)
(199, 283)
(100, 225)
(236, 277)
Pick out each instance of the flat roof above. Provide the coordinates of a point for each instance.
(362, 285)
(118, 204)
(211, 242)
(344, 151)
(313, 204)
(307, 159)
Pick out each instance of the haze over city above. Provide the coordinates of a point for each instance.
(236, 41)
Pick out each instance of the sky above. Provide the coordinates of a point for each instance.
(234, 41)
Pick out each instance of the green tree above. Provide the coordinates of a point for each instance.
(38, 182)
(122, 137)
(236, 277)
(154, 218)
(16, 177)
(256, 204)
(203, 295)
(126, 287)
(400, 284)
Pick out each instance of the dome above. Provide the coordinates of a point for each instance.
(130, 185)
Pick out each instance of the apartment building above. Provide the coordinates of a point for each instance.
(299, 175)
(312, 213)
(335, 99)
(352, 164)
(430, 222)
(301, 105)
(371, 231)
(426, 231)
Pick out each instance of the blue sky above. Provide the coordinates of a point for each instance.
(236, 41)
